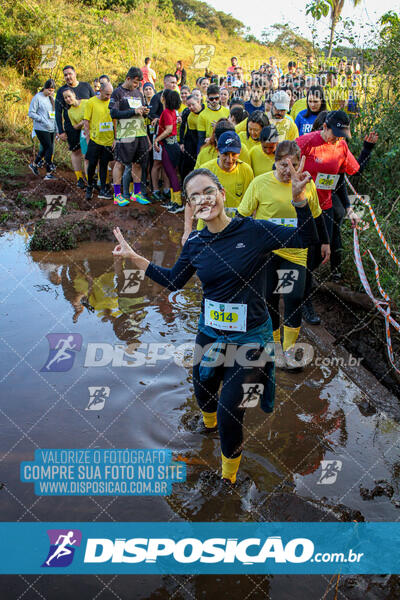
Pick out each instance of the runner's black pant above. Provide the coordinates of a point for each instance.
(234, 381)
(314, 258)
(97, 153)
(46, 139)
(292, 291)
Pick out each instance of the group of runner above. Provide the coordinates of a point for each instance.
(262, 176)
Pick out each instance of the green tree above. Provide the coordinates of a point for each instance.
(321, 8)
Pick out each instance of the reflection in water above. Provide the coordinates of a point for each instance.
(316, 415)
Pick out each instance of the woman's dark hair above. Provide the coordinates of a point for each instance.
(172, 99)
(239, 114)
(316, 90)
(287, 148)
(319, 121)
(50, 83)
(194, 174)
(259, 117)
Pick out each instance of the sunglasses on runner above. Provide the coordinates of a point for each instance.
(213, 98)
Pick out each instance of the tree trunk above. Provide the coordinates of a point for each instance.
(333, 26)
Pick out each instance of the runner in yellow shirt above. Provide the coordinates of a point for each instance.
(210, 115)
(209, 150)
(99, 133)
(262, 156)
(75, 113)
(255, 123)
(287, 129)
(235, 177)
(270, 196)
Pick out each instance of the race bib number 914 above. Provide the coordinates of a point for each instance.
(222, 315)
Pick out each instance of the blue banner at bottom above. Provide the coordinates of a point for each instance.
(199, 548)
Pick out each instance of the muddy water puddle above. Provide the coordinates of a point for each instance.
(320, 415)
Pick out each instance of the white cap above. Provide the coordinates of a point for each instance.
(281, 100)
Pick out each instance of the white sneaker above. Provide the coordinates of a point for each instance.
(280, 362)
(290, 359)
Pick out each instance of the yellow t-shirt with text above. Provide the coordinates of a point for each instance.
(101, 123)
(272, 200)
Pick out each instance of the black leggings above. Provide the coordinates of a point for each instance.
(292, 292)
(234, 381)
(96, 153)
(314, 258)
(46, 139)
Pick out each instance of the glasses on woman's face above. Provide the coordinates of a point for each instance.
(208, 195)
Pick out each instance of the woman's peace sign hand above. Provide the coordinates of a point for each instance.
(122, 249)
(299, 180)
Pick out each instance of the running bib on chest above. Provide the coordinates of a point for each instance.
(221, 315)
(134, 102)
(52, 114)
(325, 181)
(108, 126)
(284, 222)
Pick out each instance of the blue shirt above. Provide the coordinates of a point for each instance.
(251, 108)
(231, 263)
(304, 124)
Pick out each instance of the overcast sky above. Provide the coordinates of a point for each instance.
(258, 15)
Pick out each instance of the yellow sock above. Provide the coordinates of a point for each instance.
(131, 188)
(276, 335)
(78, 175)
(290, 335)
(230, 467)
(210, 419)
(176, 197)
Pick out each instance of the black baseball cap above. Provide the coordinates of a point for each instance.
(339, 122)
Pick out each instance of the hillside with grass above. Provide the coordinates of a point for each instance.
(106, 40)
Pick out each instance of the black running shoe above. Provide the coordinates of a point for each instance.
(81, 184)
(34, 169)
(89, 192)
(309, 314)
(105, 194)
